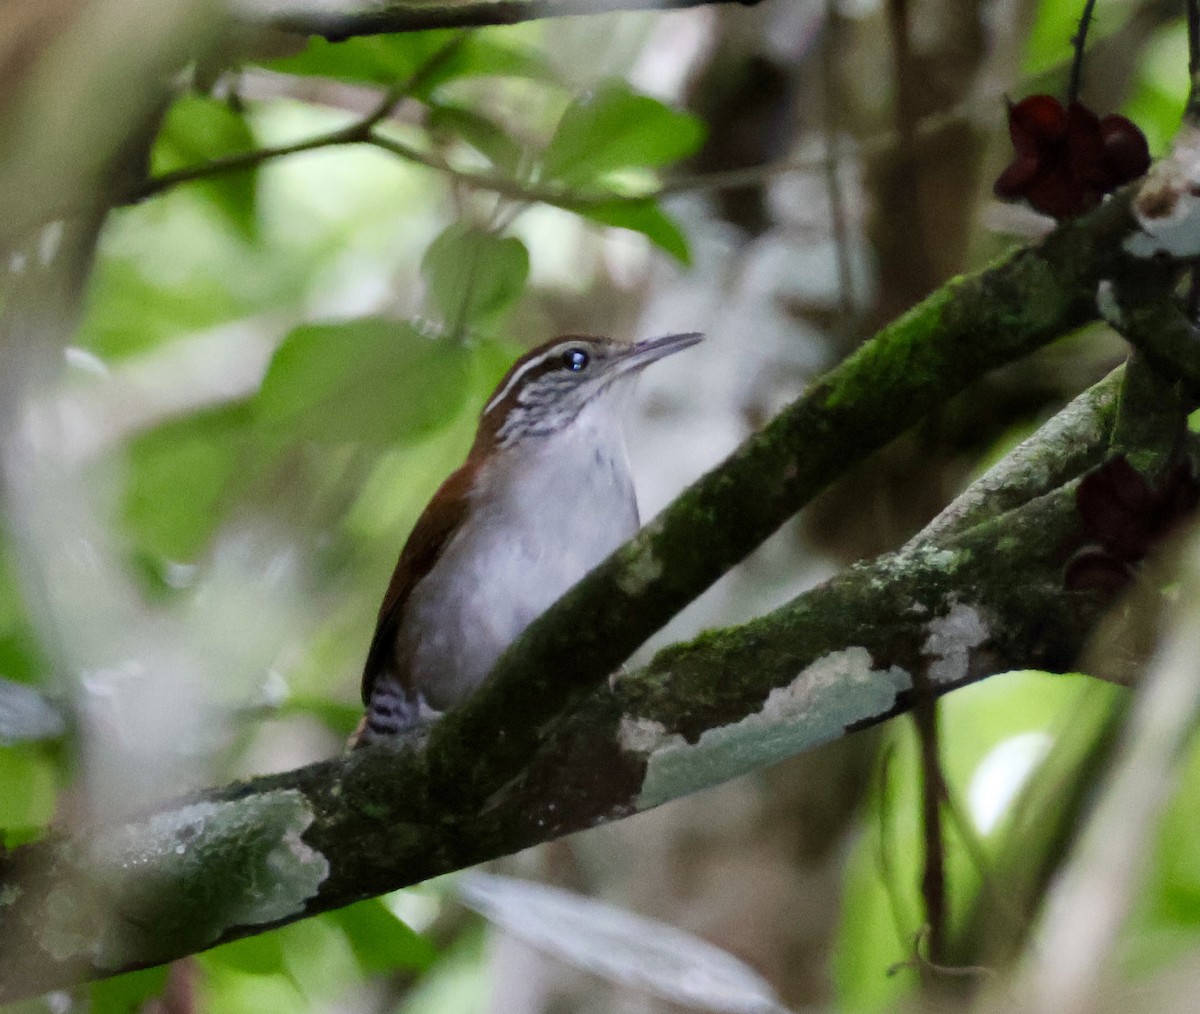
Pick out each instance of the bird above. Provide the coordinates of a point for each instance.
(545, 494)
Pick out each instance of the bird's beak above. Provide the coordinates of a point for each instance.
(645, 352)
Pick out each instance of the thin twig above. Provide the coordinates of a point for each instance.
(831, 164)
(359, 132)
(905, 176)
(336, 23)
(1079, 44)
(933, 875)
(1192, 109)
(1193, 30)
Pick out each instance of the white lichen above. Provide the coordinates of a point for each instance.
(950, 641)
(1106, 303)
(175, 882)
(639, 572)
(644, 735)
(837, 690)
(1167, 207)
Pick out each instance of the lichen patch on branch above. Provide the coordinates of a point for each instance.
(834, 692)
(951, 640)
(179, 880)
(1167, 207)
(641, 570)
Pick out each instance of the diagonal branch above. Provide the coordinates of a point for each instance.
(545, 747)
(239, 860)
(968, 327)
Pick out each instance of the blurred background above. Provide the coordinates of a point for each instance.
(213, 460)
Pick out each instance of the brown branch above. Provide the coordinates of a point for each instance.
(963, 330)
(415, 16)
(546, 747)
(236, 861)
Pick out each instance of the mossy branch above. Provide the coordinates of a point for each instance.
(242, 859)
(971, 325)
(547, 747)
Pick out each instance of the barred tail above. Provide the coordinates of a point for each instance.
(391, 712)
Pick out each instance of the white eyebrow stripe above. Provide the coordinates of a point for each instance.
(500, 395)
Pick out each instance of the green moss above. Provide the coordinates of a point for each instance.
(896, 352)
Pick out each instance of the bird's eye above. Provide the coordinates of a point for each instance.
(574, 360)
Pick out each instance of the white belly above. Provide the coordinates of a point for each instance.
(539, 528)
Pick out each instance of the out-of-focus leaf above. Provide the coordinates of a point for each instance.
(1157, 99)
(124, 994)
(1166, 924)
(391, 59)
(341, 718)
(482, 55)
(1020, 811)
(486, 136)
(625, 948)
(20, 654)
(179, 474)
(380, 941)
(198, 129)
(130, 311)
(1048, 47)
(261, 954)
(27, 790)
(368, 59)
(614, 128)
(370, 381)
(473, 274)
(645, 216)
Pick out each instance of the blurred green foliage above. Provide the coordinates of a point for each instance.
(314, 337)
(998, 738)
(1161, 87)
(198, 129)
(392, 302)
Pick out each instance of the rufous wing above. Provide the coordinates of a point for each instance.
(434, 529)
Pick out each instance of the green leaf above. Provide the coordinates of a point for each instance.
(614, 128)
(28, 790)
(338, 716)
(1157, 99)
(261, 954)
(370, 381)
(380, 941)
(481, 56)
(198, 129)
(484, 135)
(179, 475)
(392, 59)
(645, 216)
(125, 994)
(1048, 44)
(473, 274)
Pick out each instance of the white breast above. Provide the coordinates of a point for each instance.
(546, 516)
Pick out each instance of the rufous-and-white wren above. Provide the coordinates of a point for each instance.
(544, 495)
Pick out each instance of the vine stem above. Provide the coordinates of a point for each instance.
(1079, 43)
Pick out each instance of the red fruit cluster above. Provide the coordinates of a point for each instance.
(1126, 517)
(1066, 160)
